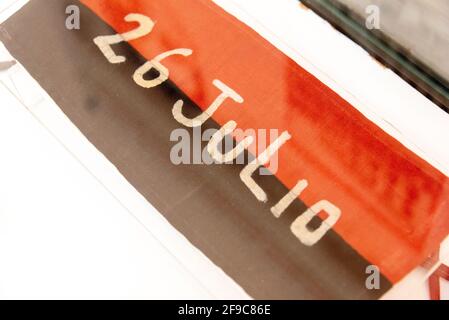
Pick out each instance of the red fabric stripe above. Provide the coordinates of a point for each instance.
(443, 272)
(434, 280)
(394, 205)
(434, 287)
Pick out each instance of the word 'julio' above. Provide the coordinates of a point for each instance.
(299, 226)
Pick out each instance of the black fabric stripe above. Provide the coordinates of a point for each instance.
(131, 126)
